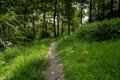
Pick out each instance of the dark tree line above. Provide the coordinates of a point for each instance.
(41, 18)
(103, 9)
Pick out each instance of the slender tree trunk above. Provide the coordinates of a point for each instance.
(44, 23)
(24, 25)
(98, 8)
(2, 33)
(90, 14)
(1, 36)
(62, 30)
(99, 18)
(111, 8)
(55, 11)
(76, 3)
(119, 8)
(25, 20)
(43, 26)
(33, 27)
(58, 25)
(103, 9)
(44, 17)
(68, 7)
(68, 24)
(81, 14)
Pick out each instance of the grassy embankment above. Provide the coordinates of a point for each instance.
(24, 62)
(93, 52)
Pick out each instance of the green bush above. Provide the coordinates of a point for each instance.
(2, 62)
(99, 31)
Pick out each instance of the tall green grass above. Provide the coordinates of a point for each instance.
(93, 52)
(24, 62)
(83, 60)
(26, 68)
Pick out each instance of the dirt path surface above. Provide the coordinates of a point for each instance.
(54, 70)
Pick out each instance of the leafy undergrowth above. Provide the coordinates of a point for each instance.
(83, 60)
(99, 31)
(24, 62)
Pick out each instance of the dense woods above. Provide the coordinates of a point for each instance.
(87, 34)
(37, 19)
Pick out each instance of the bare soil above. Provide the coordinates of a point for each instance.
(54, 70)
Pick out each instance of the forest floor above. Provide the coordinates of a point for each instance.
(54, 69)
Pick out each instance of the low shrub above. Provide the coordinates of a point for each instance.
(99, 31)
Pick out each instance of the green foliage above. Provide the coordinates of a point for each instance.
(75, 20)
(107, 29)
(44, 34)
(6, 17)
(24, 62)
(83, 60)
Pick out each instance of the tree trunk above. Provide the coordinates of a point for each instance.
(111, 8)
(68, 24)
(25, 19)
(103, 9)
(81, 14)
(33, 27)
(43, 30)
(2, 33)
(62, 30)
(98, 9)
(58, 25)
(44, 17)
(119, 8)
(55, 11)
(68, 17)
(90, 14)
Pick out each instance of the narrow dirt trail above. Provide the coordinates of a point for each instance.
(54, 70)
